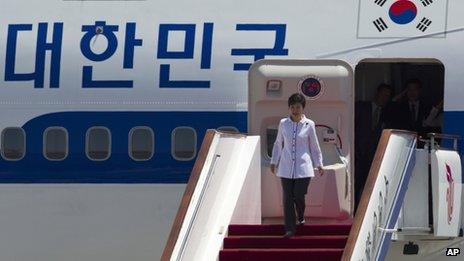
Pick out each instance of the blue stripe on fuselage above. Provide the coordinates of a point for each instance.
(119, 168)
(454, 124)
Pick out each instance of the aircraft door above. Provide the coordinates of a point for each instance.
(328, 87)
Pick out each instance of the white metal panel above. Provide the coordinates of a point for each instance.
(57, 222)
(415, 210)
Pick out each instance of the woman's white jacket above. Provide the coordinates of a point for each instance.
(296, 150)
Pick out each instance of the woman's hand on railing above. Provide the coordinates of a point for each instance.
(320, 170)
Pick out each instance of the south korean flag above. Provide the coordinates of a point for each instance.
(402, 18)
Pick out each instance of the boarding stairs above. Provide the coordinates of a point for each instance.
(220, 213)
(265, 242)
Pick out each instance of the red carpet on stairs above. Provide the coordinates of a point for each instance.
(265, 242)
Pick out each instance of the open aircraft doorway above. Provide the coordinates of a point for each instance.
(394, 94)
(328, 87)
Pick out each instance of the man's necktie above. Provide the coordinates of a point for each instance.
(376, 118)
(413, 112)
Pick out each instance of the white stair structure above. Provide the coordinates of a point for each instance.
(224, 188)
(392, 221)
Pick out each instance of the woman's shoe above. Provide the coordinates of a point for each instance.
(300, 223)
(289, 234)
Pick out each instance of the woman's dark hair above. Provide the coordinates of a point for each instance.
(297, 98)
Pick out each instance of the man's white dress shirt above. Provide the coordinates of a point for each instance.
(296, 149)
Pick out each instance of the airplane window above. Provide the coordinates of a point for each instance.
(271, 135)
(98, 143)
(184, 143)
(228, 128)
(55, 143)
(13, 143)
(141, 143)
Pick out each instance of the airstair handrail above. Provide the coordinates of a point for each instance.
(368, 191)
(200, 164)
(454, 138)
(188, 193)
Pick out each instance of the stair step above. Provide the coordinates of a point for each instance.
(278, 230)
(280, 242)
(326, 254)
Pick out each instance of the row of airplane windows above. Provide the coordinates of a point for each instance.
(98, 143)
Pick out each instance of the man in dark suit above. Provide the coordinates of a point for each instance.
(411, 112)
(371, 117)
